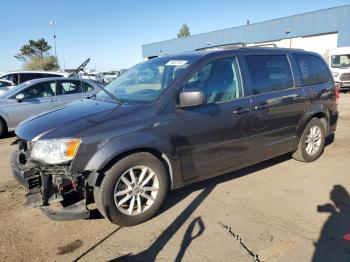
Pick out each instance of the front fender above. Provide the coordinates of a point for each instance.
(4, 116)
(120, 145)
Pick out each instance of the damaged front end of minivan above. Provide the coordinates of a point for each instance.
(60, 193)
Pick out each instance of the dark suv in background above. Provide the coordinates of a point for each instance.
(172, 121)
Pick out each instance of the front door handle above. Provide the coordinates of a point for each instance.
(240, 111)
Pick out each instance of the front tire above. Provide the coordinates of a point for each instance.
(3, 128)
(133, 190)
(312, 141)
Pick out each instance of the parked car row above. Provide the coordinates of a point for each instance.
(169, 122)
(107, 76)
(102, 77)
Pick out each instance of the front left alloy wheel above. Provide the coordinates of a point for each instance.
(133, 190)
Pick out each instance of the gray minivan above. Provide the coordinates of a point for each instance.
(172, 121)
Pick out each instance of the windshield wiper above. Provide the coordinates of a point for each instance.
(116, 99)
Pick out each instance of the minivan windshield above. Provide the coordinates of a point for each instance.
(145, 82)
(341, 60)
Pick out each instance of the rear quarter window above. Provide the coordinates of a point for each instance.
(312, 69)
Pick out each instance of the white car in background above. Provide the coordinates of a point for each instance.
(88, 75)
(107, 76)
(19, 77)
(339, 62)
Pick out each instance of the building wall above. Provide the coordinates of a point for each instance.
(324, 22)
(316, 43)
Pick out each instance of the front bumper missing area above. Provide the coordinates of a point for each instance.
(41, 193)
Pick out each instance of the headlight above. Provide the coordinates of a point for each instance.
(55, 151)
(335, 74)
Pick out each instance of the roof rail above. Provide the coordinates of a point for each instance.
(235, 46)
(262, 45)
(223, 47)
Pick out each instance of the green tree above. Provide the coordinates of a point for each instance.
(184, 31)
(36, 56)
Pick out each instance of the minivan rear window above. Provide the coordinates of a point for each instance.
(312, 70)
(269, 73)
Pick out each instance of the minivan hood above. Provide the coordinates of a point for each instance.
(68, 121)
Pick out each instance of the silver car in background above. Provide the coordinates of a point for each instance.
(40, 95)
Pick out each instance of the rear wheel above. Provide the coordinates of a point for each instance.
(133, 190)
(312, 141)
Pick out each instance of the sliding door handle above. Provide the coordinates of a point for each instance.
(240, 111)
(261, 107)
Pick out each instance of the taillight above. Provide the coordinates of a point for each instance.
(337, 93)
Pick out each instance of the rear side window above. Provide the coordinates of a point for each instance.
(26, 76)
(269, 73)
(69, 87)
(87, 87)
(312, 70)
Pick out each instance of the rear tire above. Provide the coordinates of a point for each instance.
(312, 141)
(129, 179)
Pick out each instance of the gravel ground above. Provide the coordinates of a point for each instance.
(279, 210)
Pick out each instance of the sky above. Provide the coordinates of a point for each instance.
(112, 33)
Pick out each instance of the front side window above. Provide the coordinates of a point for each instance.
(312, 69)
(145, 82)
(219, 80)
(269, 73)
(339, 61)
(46, 89)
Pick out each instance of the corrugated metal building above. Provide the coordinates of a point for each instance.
(328, 28)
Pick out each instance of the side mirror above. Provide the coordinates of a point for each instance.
(20, 97)
(192, 98)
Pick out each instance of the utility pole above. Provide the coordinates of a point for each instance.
(290, 37)
(53, 23)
